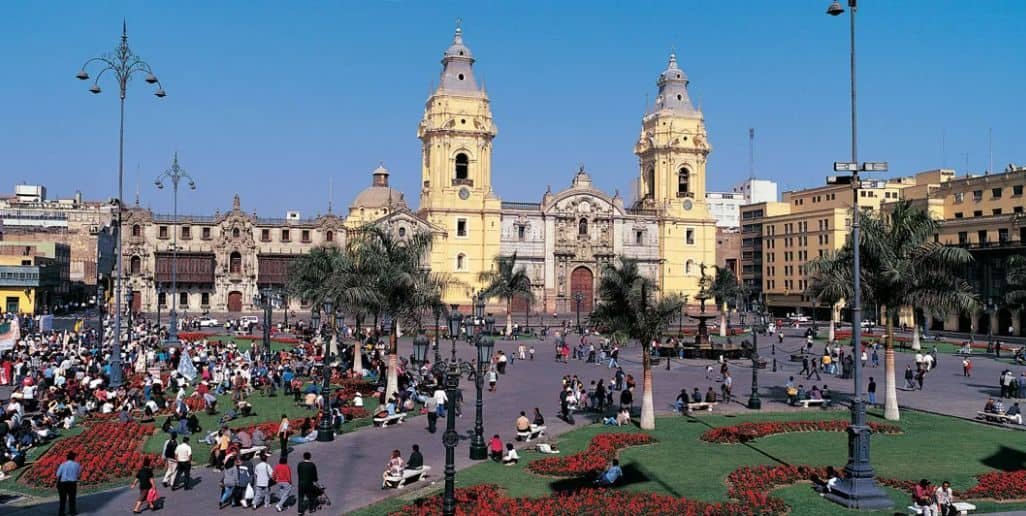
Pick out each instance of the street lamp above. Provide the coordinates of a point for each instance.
(989, 308)
(759, 319)
(578, 297)
(175, 174)
(484, 343)
(160, 295)
(857, 490)
(122, 64)
(268, 299)
(324, 431)
(101, 300)
(438, 315)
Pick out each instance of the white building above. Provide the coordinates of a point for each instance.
(726, 206)
(757, 190)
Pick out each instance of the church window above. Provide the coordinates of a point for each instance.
(688, 265)
(235, 263)
(463, 121)
(582, 227)
(136, 265)
(235, 233)
(205, 298)
(402, 232)
(521, 233)
(462, 166)
(460, 76)
(650, 183)
(461, 227)
(461, 262)
(680, 97)
(639, 237)
(136, 230)
(329, 236)
(689, 236)
(183, 299)
(683, 181)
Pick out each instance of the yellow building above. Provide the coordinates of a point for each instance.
(34, 276)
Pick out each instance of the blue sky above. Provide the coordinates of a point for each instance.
(271, 99)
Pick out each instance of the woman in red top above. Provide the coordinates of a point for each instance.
(922, 497)
(282, 477)
(495, 448)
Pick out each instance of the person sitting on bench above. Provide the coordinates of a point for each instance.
(610, 475)
(1014, 413)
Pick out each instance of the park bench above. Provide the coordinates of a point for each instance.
(816, 403)
(251, 451)
(702, 405)
(995, 416)
(961, 507)
(409, 475)
(384, 421)
(535, 431)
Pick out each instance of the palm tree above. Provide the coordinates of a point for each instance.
(1016, 278)
(624, 305)
(830, 282)
(507, 281)
(904, 267)
(724, 288)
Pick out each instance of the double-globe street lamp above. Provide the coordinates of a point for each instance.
(759, 321)
(579, 297)
(450, 372)
(858, 489)
(324, 430)
(268, 299)
(175, 174)
(122, 64)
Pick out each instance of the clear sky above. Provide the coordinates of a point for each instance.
(271, 99)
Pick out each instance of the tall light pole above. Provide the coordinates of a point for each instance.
(759, 319)
(324, 430)
(484, 343)
(857, 490)
(175, 174)
(122, 64)
(578, 297)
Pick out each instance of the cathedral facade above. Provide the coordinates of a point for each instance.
(563, 240)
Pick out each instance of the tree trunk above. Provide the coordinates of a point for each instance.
(392, 386)
(833, 325)
(509, 316)
(916, 344)
(723, 319)
(358, 349)
(891, 401)
(647, 408)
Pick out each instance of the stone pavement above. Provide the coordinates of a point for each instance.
(351, 465)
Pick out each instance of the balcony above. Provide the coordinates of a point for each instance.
(462, 182)
(685, 194)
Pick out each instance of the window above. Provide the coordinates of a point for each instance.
(183, 299)
(958, 214)
(683, 179)
(329, 236)
(186, 233)
(461, 262)
(996, 211)
(402, 232)
(162, 232)
(304, 236)
(582, 227)
(1017, 191)
(265, 235)
(1002, 235)
(235, 263)
(521, 233)
(1017, 209)
(136, 230)
(639, 237)
(285, 235)
(963, 238)
(977, 195)
(977, 213)
(205, 298)
(650, 183)
(688, 265)
(206, 233)
(689, 236)
(461, 228)
(162, 298)
(959, 197)
(462, 166)
(235, 232)
(981, 237)
(995, 193)
(135, 266)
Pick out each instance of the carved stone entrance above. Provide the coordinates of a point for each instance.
(582, 280)
(235, 301)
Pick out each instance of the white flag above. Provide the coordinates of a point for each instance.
(185, 366)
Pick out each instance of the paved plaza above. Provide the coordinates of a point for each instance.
(351, 466)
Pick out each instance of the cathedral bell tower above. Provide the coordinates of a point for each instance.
(456, 194)
(672, 152)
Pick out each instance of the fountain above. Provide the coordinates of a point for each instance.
(702, 337)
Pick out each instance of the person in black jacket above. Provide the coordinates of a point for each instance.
(308, 491)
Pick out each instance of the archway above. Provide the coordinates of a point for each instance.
(519, 304)
(983, 323)
(1004, 326)
(582, 280)
(965, 323)
(235, 301)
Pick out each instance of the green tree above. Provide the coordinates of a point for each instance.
(628, 304)
(724, 289)
(1016, 278)
(506, 282)
(830, 282)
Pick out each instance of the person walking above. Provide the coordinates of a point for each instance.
(229, 483)
(431, 406)
(871, 390)
(307, 472)
(144, 479)
(169, 459)
(283, 481)
(967, 367)
(67, 484)
(614, 357)
(813, 369)
(728, 382)
(283, 434)
(805, 365)
(183, 464)
(262, 475)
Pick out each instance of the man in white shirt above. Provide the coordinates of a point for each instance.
(183, 459)
(262, 474)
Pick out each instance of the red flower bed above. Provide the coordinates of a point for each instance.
(999, 485)
(350, 386)
(745, 432)
(107, 451)
(193, 335)
(283, 340)
(601, 450)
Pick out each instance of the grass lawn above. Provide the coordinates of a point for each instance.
(681, 464)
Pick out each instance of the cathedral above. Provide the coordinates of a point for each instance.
(562, 239)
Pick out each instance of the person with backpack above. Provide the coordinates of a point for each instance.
(169, 459)
(263, 474)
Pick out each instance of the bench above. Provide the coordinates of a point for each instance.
(702, 405)
(807, 403)
(389, 420)
(252, 451)
(409, 475)
(961, 507)
(535, 431)
(994, 416)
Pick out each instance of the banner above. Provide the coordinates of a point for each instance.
(186, 367)
(10, 332)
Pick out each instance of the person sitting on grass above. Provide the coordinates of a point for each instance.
(610, 475)
(825, 486)
(511, 457)
(495, 448)
(245, 408)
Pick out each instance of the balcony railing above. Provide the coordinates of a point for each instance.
(686, 194)
(462, 182)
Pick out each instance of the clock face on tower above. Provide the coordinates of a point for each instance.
(688, 204)
(464, 193)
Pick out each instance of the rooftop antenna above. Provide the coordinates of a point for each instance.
(751, 153)
(966, 155)
(990, 149)
(138, 166)
(330, 193)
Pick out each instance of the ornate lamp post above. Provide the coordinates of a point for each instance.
(268, 299)
(578, 297)
(101, 300)
(857, 490)
(759, 319)
(129, 298)
(122, 64)
(989, 308)
(175, 174)
(438, 338)
(324, 431)
(484, 343)
(160, 295)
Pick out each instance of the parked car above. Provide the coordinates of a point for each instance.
(248, 319)
(206, 322)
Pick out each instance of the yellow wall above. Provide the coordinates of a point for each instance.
(26, 302)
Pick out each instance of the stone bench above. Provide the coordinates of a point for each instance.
(702, 405)
(961, 507)
(389, 420)
(409, 475)
(535, 431)
(815, 403)
(994, 416)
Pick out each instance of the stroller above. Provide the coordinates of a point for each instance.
(322, 495)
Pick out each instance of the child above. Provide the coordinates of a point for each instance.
(531, 351)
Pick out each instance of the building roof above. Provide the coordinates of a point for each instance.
(379, 194)
(458, 68)
(673, 91)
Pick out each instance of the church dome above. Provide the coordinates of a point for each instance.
(379, 194)
(458, 49)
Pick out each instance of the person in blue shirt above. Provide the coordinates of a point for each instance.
(610, 475)
(67, 484)
(390, 407)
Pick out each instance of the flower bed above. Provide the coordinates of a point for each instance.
(601, 450)
(107, 451)
(745, 432)
(350, 386)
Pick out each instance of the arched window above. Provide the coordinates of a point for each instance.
(136, 230)
(461, 262)
(402, 232)
(683, 181)
(329, 236)
(462, 166)
(650, 183)
(235, 263)
(688, 266)
(235, 232)
(582, 227)
(135, 265)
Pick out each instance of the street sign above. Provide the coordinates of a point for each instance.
(844, 166)
(874, 166)
(838, 180)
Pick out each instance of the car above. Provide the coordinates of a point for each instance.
(249, 319)
(206, 322)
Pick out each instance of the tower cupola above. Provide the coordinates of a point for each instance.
(673, 91)
(458, 67)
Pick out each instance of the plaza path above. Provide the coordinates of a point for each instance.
(351, 465)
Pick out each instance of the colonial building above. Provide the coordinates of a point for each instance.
(563, 240)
